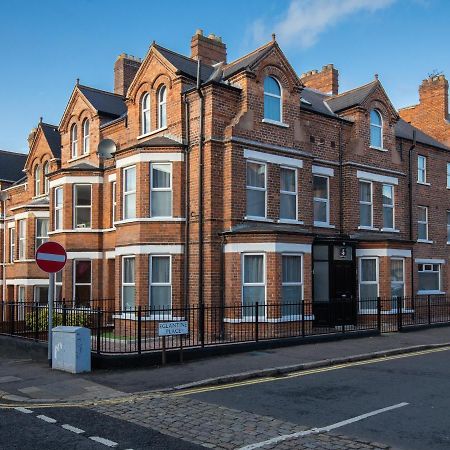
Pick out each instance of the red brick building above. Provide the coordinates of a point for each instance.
(225, 183)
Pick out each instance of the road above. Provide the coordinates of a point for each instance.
(327, 397)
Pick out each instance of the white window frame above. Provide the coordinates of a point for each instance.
(22, 227)
(296, 283)
(448, 175)
(12, 244)
(385, 205)
(75, 284)
(322, 200)
(280, 99)
(146, 120)
(125, 193)
(21, 295)
(169, 189)
(42, 239)
(370, 203)
(422, 171)
(74, 140)
(46, 180)
(162, 106)
(402, 283)
(255, 188)
(77, 207)
(86, 136)
(380, 127)
(439, 271)
(292, 193)
(423, 222)
(59, 208)
(123, 284)
(37, 180)
(360, 282)
(58, 284)
(243, 284)
(169, 311)
(113, 202)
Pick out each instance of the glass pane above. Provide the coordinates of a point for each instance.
(320, 211)
(428, 281)
(130, 179)
(368, 270)
(368, 291)
(291, 300)
(160, 269)
(253, 269)
(272, 108)
(160, 297)
(251, 295)
(256, 175)
(130, 206)
(388, 195)
(365, 192)
(287, 179)
(365, 215)
(161, 175)
(58, 197)
(422, 231)
(256, 203)
(128, 270)
(42, 227)
(375, 117)
(82, 217)
(397, 290)
(396, 270)
(320, 187)
(41, 295)
(288, 207)
(291, 269)
(82, 296)
(388, 218)
(271, 86)
(422, 214)
(83, 195)
(375, 136)
(82, 271)
(321, 281)
(128, 297)
(161, 204)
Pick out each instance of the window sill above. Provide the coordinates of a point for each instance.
(430, 293)
(373, 312)
(268, 320)
(132, 316)
(323, 225)
(151, 133)
(150, 219)
(275, 122)
(77, 158)
(362, 227)
(424, 241)
(24, 260)
(258, 219)
(424, 183)
(380, 149)
(39, 196)
(390, 230)
(291, 221)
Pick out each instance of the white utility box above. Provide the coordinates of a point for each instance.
(71, 350)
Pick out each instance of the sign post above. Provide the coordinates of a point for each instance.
(51, 258)
(178, 328)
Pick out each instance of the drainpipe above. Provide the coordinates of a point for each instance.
(341, 184)
(200, 188)
(186, 206)
(410, 195)
(3, 197)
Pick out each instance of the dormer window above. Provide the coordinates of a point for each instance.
(74, 140)
(46, 181)
(162, 113)
(376, 129)
(37, 180)
(86, 138)
(145, 113)
(272, 100)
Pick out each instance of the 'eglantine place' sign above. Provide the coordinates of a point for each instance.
(173, 328)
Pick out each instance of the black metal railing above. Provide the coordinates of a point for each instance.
(115, 330)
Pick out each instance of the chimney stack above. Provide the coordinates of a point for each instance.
(125, 69)
(433, 94)
(210, 50)
(326, 81)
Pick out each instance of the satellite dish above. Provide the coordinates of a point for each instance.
(106, 148)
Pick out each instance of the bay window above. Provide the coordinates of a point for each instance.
(22, 239)
(41, 232)
(82, 195)
(253, 284)
(368, 284)
(113, 203)
(58, 208)
(161, 190)
(82, 283)
(129, 192)
(256, 189)
(397, 279)
(128, 283)
(288, 193)
(12, 244)
(292, 285)
(160, 283)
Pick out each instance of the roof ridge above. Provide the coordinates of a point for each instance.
(100, 90)
(49, 125)
(180, 54)
(351, 90)
(11, 152)
(270, 43)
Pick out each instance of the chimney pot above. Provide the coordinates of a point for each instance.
(125, 69)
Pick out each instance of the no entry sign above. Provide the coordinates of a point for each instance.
(51, 257)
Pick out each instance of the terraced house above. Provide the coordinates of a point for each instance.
(203, 181)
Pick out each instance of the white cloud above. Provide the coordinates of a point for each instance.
(305, 20)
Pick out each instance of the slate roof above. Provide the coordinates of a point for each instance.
(316, 102)
(255, 227)
(105, 103)
(405, 130)
(53, 137)
(351, 98)
(158, 141)
(11, 165)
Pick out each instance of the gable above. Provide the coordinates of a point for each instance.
(77, 101)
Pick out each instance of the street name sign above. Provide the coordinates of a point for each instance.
(173, 328)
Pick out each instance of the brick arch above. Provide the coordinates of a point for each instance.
(277, 72)
(161, 79)
(144, 87)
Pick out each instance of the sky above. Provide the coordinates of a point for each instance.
(46, 45)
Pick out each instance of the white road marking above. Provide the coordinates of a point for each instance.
(322, 429)
(73, 429)
(24, 410)
(103, 441)
(46, 418)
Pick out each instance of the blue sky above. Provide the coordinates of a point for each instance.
(46, 45)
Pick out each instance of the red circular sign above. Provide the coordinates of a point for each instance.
(51, 257)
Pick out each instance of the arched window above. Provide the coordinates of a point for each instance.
(74, 140)
(86, 139)
(46, 171)
(272, 100)
(145, 113)
(162, 115)
(37, 180)
(376, 129)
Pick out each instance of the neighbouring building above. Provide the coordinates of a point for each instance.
(200, 180)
